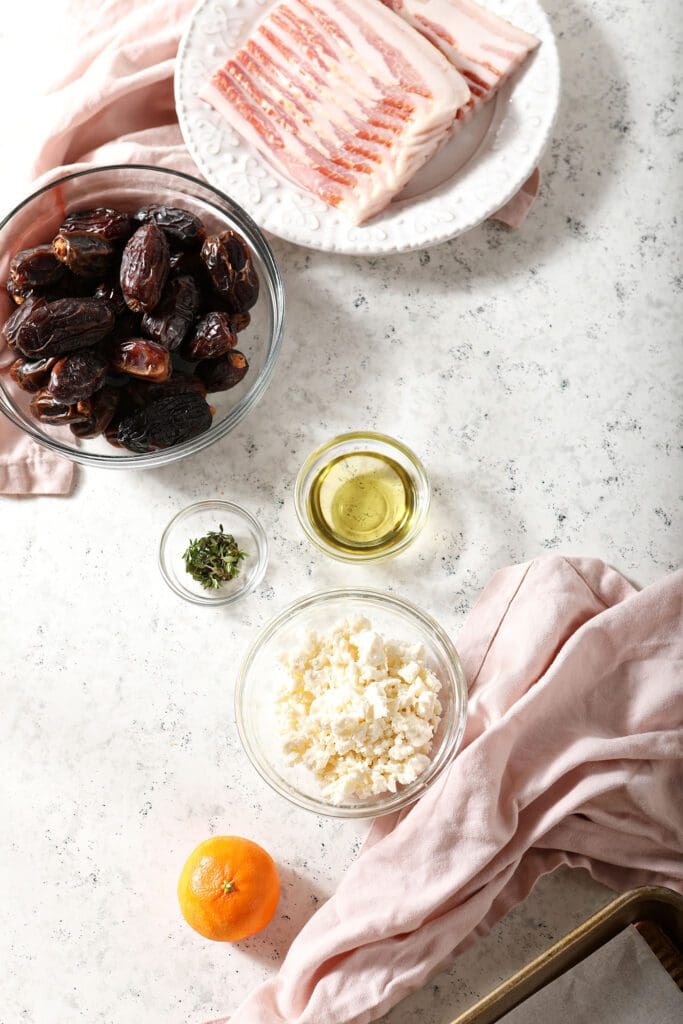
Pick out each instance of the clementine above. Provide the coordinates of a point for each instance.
(228, 889)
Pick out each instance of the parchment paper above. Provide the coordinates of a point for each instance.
(622, 983)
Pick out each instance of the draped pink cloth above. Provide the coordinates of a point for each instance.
(573, 754)
(114, 104)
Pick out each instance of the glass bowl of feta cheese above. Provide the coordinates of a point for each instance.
(351, 703)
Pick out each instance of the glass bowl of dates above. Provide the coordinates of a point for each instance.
(141, 316)
(214, 521)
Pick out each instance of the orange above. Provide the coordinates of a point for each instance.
(228, 889)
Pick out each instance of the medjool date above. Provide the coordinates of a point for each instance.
(127, 324)
(140, 358)
(98, 412)
(70, 287)
(111, 292)
(240, 321)
(173, 317)
(18, 296)
(223, 374)
(55, 328)
(229, 266)
(188, 261)
(165, 422)
(85, 255)
(245, 291)
(180, 226)
(77, 376)
(212, 337)
(32, 271)
(179, 384)
(144, 268)
(14, 322)
(100, 222)
(176, 262)
(46, 408)
(31, 375)
(128, 404)
(218, 265)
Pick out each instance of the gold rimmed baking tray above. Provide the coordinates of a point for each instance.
(657, 912)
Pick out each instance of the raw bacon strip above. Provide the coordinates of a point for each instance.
(342, 96)
(484, 48)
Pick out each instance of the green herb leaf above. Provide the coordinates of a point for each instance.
(214, 559)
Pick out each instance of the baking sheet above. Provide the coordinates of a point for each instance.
(623, 982)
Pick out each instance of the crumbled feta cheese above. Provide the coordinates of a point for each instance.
(358, 711)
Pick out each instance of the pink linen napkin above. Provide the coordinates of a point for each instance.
(114, 104)
(27, 468)
(573, 754)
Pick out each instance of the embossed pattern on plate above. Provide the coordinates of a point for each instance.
(438, 205)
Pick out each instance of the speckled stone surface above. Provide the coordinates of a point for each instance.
(537, 373)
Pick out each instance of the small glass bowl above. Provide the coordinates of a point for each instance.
(261, 674)
(361, 442)
(196, 521)
(130, 186)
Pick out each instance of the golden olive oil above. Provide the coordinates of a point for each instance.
(362, 503)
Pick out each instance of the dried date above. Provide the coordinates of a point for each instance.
(100, 222)
(139, 357)
(54, 328)
(13, 324)
(77, 376)
(187, 262)
(213, 337)
(240, 321)
(32, 271)
(19, 296)
(98, 412)
(128, 325)
(180, 226)
(246, 290)
(31, 375)
(46, 408)
(217, 263)
(85, 255)
(128, 403)
(143, 392)
(144, 268)
(230, 268)
(176, 262)
(111, 292)
(223, 374)
(70, 287)
(165, 422)
(215, 304)
(120, 381)
(173, 317)
(112, 434)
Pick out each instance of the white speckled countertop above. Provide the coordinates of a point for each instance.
(537, 373)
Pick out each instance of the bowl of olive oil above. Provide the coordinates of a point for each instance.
(362, 497)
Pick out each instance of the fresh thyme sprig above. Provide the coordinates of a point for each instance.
(214, 559)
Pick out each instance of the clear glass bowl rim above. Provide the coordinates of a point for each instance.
(243, 407)
(449, 747)
(301, 493)
(261, 545)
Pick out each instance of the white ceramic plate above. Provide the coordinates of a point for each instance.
(471, 178)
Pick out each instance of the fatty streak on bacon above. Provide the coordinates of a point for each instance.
(342, 96)
(484, 48)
